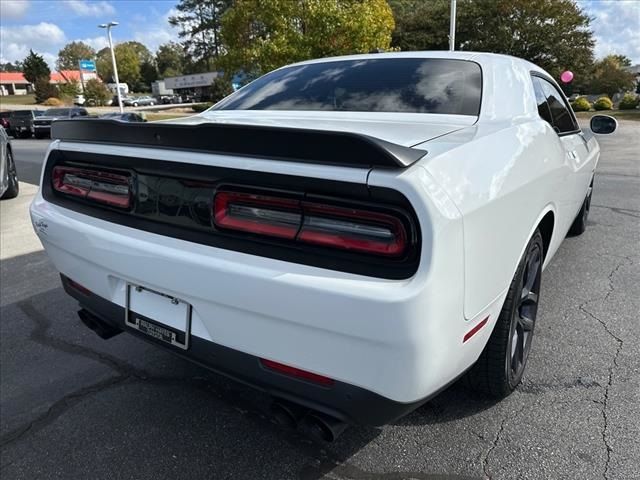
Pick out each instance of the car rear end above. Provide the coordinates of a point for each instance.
(323, 267)
(21, 122)
(42, 126)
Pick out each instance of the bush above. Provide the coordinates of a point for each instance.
(220, 88)
(70, 89)
(581, 104)
(629, 102)
(96, 93)
(53, 102)
(201, 107)
(44, 90)
(603, 103)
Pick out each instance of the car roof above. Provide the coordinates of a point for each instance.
(483, 58)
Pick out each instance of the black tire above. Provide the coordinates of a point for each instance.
(579, 225)
(38, 135)
(501, 365)
(13, 188)
(26, 134)
(134, 104)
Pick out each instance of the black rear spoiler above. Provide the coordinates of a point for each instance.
(274, 143)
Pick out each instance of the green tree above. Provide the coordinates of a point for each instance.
(68, 90)
(200, 25)
(623, 60)
(148, 75)
(148, 71)
(553, 34)
(260, 35)
(45, 90)
(128, 60)
(171, 60)
(34, 67)
(610, 77)
(72, 53)
(96, 92)
(220, 88)
(11, 67)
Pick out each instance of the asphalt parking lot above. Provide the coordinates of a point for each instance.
(75, 406)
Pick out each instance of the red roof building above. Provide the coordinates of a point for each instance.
(14, 83)
(65, 76)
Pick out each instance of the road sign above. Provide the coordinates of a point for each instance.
(89, 65)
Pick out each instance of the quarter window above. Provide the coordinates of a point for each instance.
(541, 100)
(562, 120)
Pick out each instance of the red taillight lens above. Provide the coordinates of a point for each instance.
(297, 373)
(264, 215)
(314, 223)
(352, 229)
(99, 186)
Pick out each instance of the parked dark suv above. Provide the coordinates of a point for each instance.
(42, 126)
(21, 122)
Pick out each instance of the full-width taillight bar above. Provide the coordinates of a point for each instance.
(99, 186)
(354, 229)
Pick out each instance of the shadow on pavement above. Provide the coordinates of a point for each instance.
(124, 405)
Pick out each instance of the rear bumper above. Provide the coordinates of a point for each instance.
(346, 402)
(400, 340)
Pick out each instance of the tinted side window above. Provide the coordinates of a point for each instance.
(541, 100)
(560, 113)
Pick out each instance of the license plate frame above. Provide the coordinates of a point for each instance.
(154, 328)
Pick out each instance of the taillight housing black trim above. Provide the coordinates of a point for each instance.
(354, 228)
(176, 199)
(100, 186)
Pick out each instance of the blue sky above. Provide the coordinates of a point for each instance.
(47, 25)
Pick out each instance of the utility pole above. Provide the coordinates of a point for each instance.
(81, 75)
(452, 26)
(113, 61)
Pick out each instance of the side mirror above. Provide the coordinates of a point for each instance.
(603, 124)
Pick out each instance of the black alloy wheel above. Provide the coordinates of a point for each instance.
(524, 316)
(13, 187)
(501, 365)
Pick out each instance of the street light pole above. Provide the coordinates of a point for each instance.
(113, 61)
(452, 26)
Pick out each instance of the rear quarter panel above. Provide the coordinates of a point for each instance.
(503, 179)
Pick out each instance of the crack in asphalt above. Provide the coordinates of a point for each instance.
(614, 365)
(57, 409)
(494, 443)
(622, 211)
(127, 372)
(39, 335)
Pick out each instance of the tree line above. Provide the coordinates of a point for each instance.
(253, 37)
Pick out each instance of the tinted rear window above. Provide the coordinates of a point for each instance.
(417, 85)
(55, 112)
(22, 114)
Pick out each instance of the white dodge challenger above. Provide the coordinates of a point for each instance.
(350, 235)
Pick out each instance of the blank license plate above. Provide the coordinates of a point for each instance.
(161, 316)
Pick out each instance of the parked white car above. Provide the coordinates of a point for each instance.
(349, 234)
